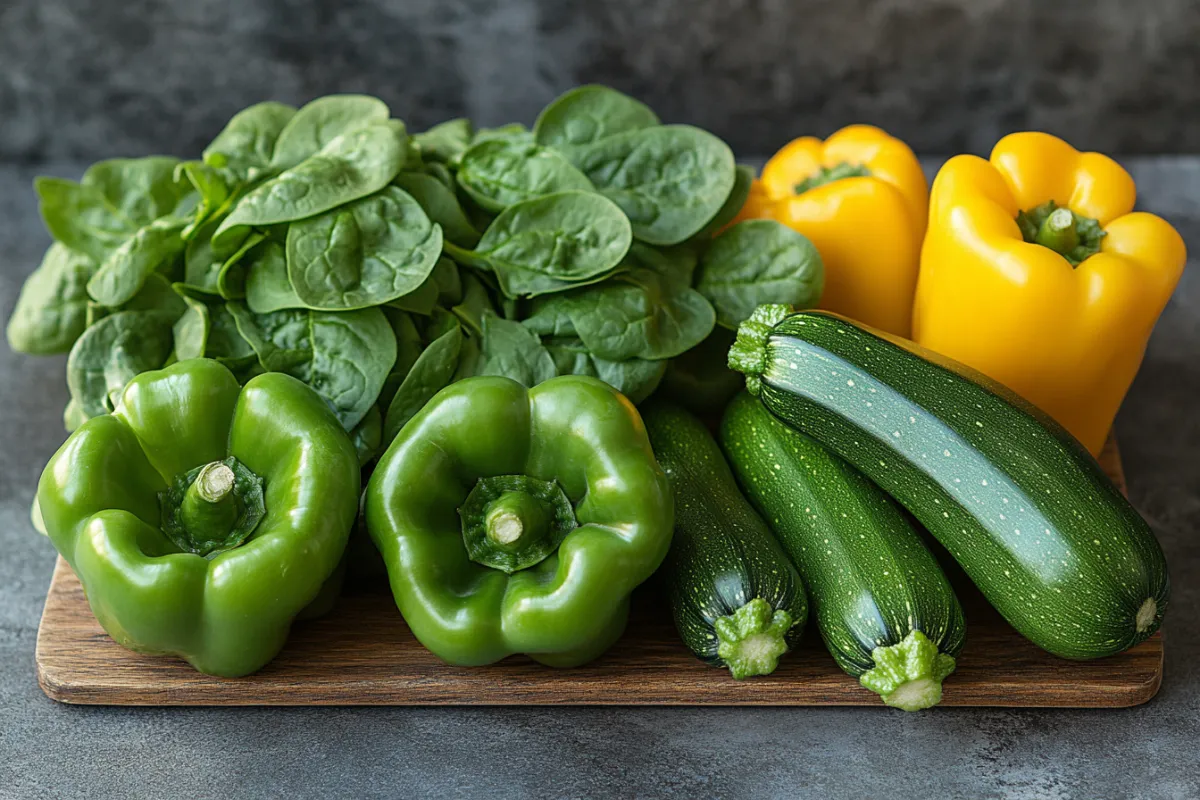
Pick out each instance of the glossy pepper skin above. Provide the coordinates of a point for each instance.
(576, 432)
(867, 226)
(1068, 338)
(227, 615)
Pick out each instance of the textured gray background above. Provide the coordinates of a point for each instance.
(89, 79)
(49, 750)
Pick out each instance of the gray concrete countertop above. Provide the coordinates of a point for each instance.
(52, 750)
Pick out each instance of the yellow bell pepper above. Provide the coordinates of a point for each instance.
(1035, 272)
(861, 197)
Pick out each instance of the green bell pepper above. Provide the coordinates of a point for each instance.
(519, 521)
(201, 517)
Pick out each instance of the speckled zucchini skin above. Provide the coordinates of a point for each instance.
(1030, 516)
(722, 555)
(871, 579)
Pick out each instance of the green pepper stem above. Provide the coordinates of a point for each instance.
(513, 516)
(209, 507)
(751, 639)
(1058, 231)
(908, 675)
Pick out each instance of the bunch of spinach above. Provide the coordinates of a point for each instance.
(378, 267)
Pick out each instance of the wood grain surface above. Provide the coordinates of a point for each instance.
(363, 654)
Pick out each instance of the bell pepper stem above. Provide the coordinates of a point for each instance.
(830, 174)
(751, 639)
(515, 516)
(1058, 231)
(908, 675)
(209, 504)
(212, 508)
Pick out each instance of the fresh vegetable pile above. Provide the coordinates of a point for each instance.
(376, 266)
(466, 319)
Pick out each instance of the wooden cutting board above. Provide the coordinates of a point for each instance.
(363, 654)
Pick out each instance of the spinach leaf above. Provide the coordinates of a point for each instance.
(201, 265)
(226, 342)
(141, 189)
(510, 349)
(422, 300)
(670, 180)
(365, 253)
(123, 273)
(345, 357)
(635, 378)
(157, 294)
(475, 303)
(73, 416)
(499, 172)
(367, 435)
(408, 350)
(449, 282)
(231, 277)
(320, 122)
(51, 311)
(440, 205)
(446, 141)
(743, 180)
(587, 114)
(700, 379)
(190, 332)
(111, 353)
(431, 372)
(514, 131)
(211, 189)
(759, 261)
(351, 166)
(649, 311)
(267, 285)
(244, 148)
(114, 199)
(550, 243)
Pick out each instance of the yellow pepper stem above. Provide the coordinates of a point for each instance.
(830, 174)
(1058, 231)
(1073, 236)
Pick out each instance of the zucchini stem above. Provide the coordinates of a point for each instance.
(751, 639)
(909, 675)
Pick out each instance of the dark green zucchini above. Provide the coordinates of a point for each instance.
(736, 599)
(1029, 515)
(882, 603)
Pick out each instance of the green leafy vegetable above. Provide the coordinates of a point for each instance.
(510, 349)
(649, 311)
(588, 114)
(440, 205)
(551, 243)
(317, 124)
(635, 378)
(670, 180)
(244, 148)
(111, 353)
(350, 166)
(497, 173)
(446, 141)
(51, 310)
(344, 356)
(364, 253)
(759, 261)
(431, 372)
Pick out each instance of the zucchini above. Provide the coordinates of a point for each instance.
(1029, 515)
(736, 599)
(882, 603)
